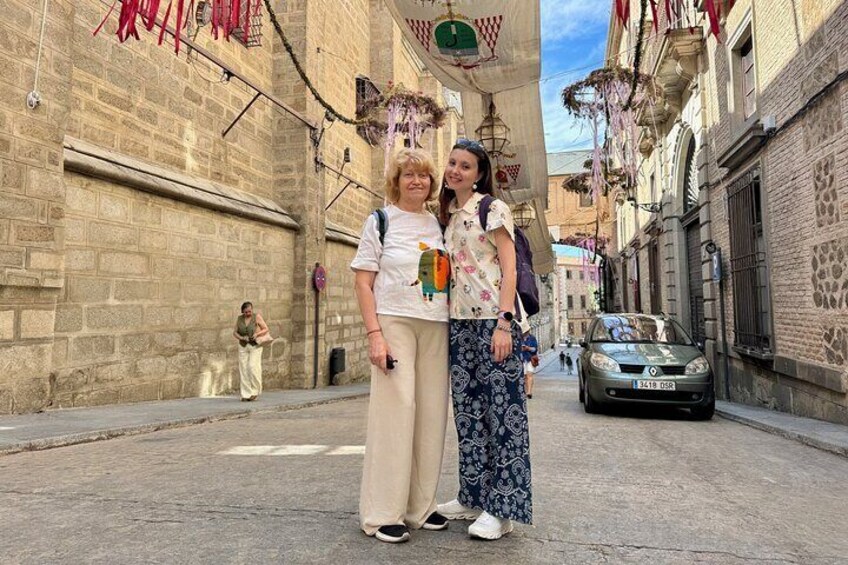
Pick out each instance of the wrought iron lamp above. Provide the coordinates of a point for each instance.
(652, 207)
(493, 133)
(523, 215)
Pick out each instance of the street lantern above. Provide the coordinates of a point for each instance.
(523, 215)
(493, 133)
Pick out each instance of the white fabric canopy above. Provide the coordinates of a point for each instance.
(491, 47)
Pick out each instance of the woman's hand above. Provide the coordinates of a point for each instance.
(501, 345)
(378, 349)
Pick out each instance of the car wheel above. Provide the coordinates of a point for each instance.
(704, 411)
(589, 403)
(582, 394)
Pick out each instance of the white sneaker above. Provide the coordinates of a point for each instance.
(489, 527)
(454, 510)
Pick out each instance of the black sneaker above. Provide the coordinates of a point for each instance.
(393, 534)
(435, 521)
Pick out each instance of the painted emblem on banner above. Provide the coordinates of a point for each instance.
(457, 40)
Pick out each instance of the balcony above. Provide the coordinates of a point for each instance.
(674, 65)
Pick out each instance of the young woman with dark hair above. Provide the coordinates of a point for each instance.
(487, 377)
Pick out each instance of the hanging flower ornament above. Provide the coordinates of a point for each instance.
(400, 111)
(602, 100)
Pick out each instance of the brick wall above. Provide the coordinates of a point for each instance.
(803, 199)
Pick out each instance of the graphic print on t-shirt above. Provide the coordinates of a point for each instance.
(433, 272)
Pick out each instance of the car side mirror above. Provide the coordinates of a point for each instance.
(583, 344)
(700, 346)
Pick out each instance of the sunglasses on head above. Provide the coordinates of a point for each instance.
(469, 144)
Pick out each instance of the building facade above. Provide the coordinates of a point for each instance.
(747, 245)
(149, 194)
(577, 292)
(570, 214)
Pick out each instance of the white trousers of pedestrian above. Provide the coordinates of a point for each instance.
(250, 370)
(407, 416)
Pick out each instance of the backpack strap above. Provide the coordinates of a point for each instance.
(483, 210)
(382, 223)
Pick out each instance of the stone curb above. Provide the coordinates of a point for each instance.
(782, 432)
(99, 435)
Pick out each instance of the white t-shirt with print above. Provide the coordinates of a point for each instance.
(412, 266)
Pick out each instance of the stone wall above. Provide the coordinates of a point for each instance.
(121, 276)
(153, 288)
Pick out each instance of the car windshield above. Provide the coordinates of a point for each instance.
(639, 329)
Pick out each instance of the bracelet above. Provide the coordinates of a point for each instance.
(505, 330)
(374, 332)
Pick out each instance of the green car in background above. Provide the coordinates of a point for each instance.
(644, 359)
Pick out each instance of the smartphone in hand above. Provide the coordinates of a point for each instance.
(390, 362)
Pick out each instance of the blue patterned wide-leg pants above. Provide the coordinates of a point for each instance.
(490, 411)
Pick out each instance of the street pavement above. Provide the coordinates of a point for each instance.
(634, 486)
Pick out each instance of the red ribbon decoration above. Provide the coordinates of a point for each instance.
(226, 17)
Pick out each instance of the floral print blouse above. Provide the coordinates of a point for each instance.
(476, 281)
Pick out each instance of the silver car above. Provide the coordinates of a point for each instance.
(645, 359)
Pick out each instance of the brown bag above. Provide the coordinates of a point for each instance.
(534, 360)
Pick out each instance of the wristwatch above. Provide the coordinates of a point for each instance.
(505, 315)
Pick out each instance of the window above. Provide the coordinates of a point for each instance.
(568, 274)
(690, 184)
(570, 328)
(585, 199)
(751, 294)
(582, 276)
(583, 328)
(749, 82)
(583, 301)
(365, 90)
(570, 301)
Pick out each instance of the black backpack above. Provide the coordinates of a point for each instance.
(526, 278)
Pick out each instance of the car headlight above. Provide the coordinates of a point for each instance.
(604, 363)
(697, 366)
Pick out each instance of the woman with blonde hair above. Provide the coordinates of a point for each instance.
(402, 277)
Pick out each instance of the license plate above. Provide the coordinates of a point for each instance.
(655, 385)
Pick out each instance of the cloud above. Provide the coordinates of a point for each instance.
(573, 19)
(563, 67)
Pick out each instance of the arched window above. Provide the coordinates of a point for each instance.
(690, 178)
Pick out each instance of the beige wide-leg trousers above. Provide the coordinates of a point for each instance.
(407, 416)
(250, 370)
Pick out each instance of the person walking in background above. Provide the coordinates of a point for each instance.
(402, 276)
(248, 328)
(530, 356)
(569, 362)
(562, 360)
(487, 380)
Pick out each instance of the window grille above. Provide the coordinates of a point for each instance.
(253, 38)
(690, 184)
(365, 91)
(751, 295)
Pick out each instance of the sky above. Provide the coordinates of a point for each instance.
(574, 35)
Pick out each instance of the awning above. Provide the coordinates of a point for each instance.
(491, 48)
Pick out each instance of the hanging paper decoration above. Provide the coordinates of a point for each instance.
(228, 18)
(675, 9)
